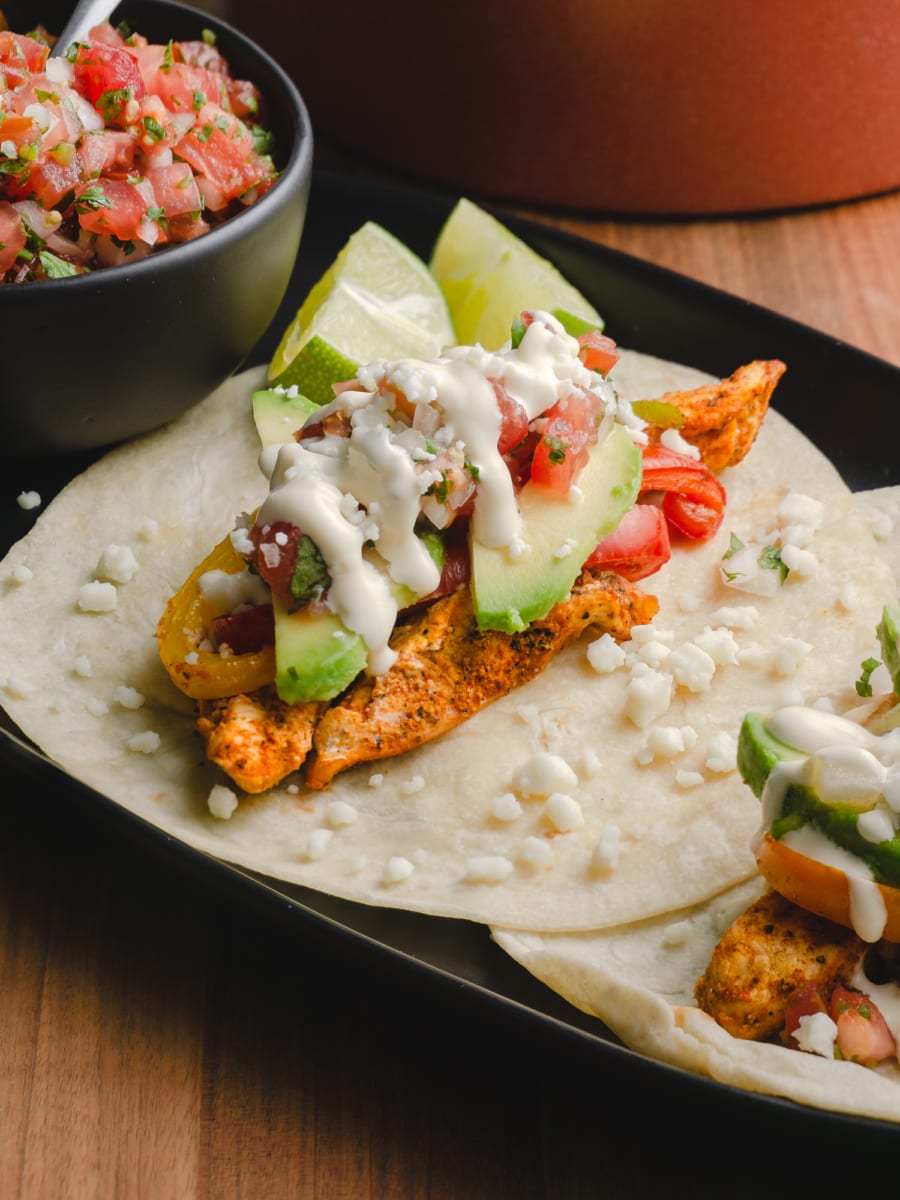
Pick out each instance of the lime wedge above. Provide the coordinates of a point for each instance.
(488, 276)
(377, 300)
(347, 330)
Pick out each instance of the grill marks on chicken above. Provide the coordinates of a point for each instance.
(446, 671)
(771, 951)
(723, 419)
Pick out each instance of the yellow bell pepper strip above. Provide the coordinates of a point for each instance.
(206, 674)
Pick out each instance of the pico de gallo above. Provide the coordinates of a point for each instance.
(119, 148)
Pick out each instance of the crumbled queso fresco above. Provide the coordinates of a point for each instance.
(657, 668)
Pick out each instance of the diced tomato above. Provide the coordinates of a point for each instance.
(598, 352)
(638, 548)
(219, 147)
(694, 499)
(513, 419)
(863, 1035)
(158, 130)
(109, 77)
(275, 556)
(175, 189)
(204, 55)
(187, 88)
(12, 236)
(20, 51)
(107, 152)
(114, 206)
(244, 99)
(48, 181)
(247, 630)
(106, 33)
(566, 435)
(804, 1002)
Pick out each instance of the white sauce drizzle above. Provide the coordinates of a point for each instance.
(845, 764)
(358, 497)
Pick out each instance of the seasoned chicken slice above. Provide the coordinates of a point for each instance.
(769, 952)
(447, 670)
(722, 419)
(257, 740)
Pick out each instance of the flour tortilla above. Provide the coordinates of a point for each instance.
(429, 812)
(639, 980)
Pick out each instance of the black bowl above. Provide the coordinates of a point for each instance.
(95, 359)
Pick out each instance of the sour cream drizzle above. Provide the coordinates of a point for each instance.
(844, 764)
(358, 497)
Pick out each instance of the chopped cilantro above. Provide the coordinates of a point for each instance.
(91, 199)
(153, 128)
(770, 560)
(517, 332)
(112, 103)
(263, 140)
(310, 578)
(199, 100)
(556, 449)
(863, 687)
(734, 545)
(441, 490)
(204, 134)
(55, 267)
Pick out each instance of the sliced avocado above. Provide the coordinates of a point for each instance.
(316, 656)
(888, 630)
(758, 751)
(509, 593)
(278, 414)
(838, 822)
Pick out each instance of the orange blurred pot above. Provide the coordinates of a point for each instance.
(632, 106)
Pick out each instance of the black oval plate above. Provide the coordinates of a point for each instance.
(646, 308)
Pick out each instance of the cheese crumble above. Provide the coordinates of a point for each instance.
(97, 597)
(221, 802)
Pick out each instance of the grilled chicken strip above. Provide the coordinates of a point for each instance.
(769, 952)
(723, 419)
(447, 670)
(257, 740)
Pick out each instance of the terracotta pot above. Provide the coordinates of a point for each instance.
(641, 106)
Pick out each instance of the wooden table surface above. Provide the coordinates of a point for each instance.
(159, 1040)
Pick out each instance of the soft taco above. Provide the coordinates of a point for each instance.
(599, 792)
(789, 983)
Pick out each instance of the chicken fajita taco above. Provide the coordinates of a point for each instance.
(569, 763)
(789, 983)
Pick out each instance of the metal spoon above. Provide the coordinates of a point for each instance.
(85, 15)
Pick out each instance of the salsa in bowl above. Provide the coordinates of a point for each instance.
(132, 311)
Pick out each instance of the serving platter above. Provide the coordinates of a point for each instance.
(646, 308)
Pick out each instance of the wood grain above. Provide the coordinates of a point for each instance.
(160, 1041)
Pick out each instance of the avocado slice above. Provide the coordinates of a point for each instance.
(278, 414)
(316, 655)
(510, 593)
(759, 751)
